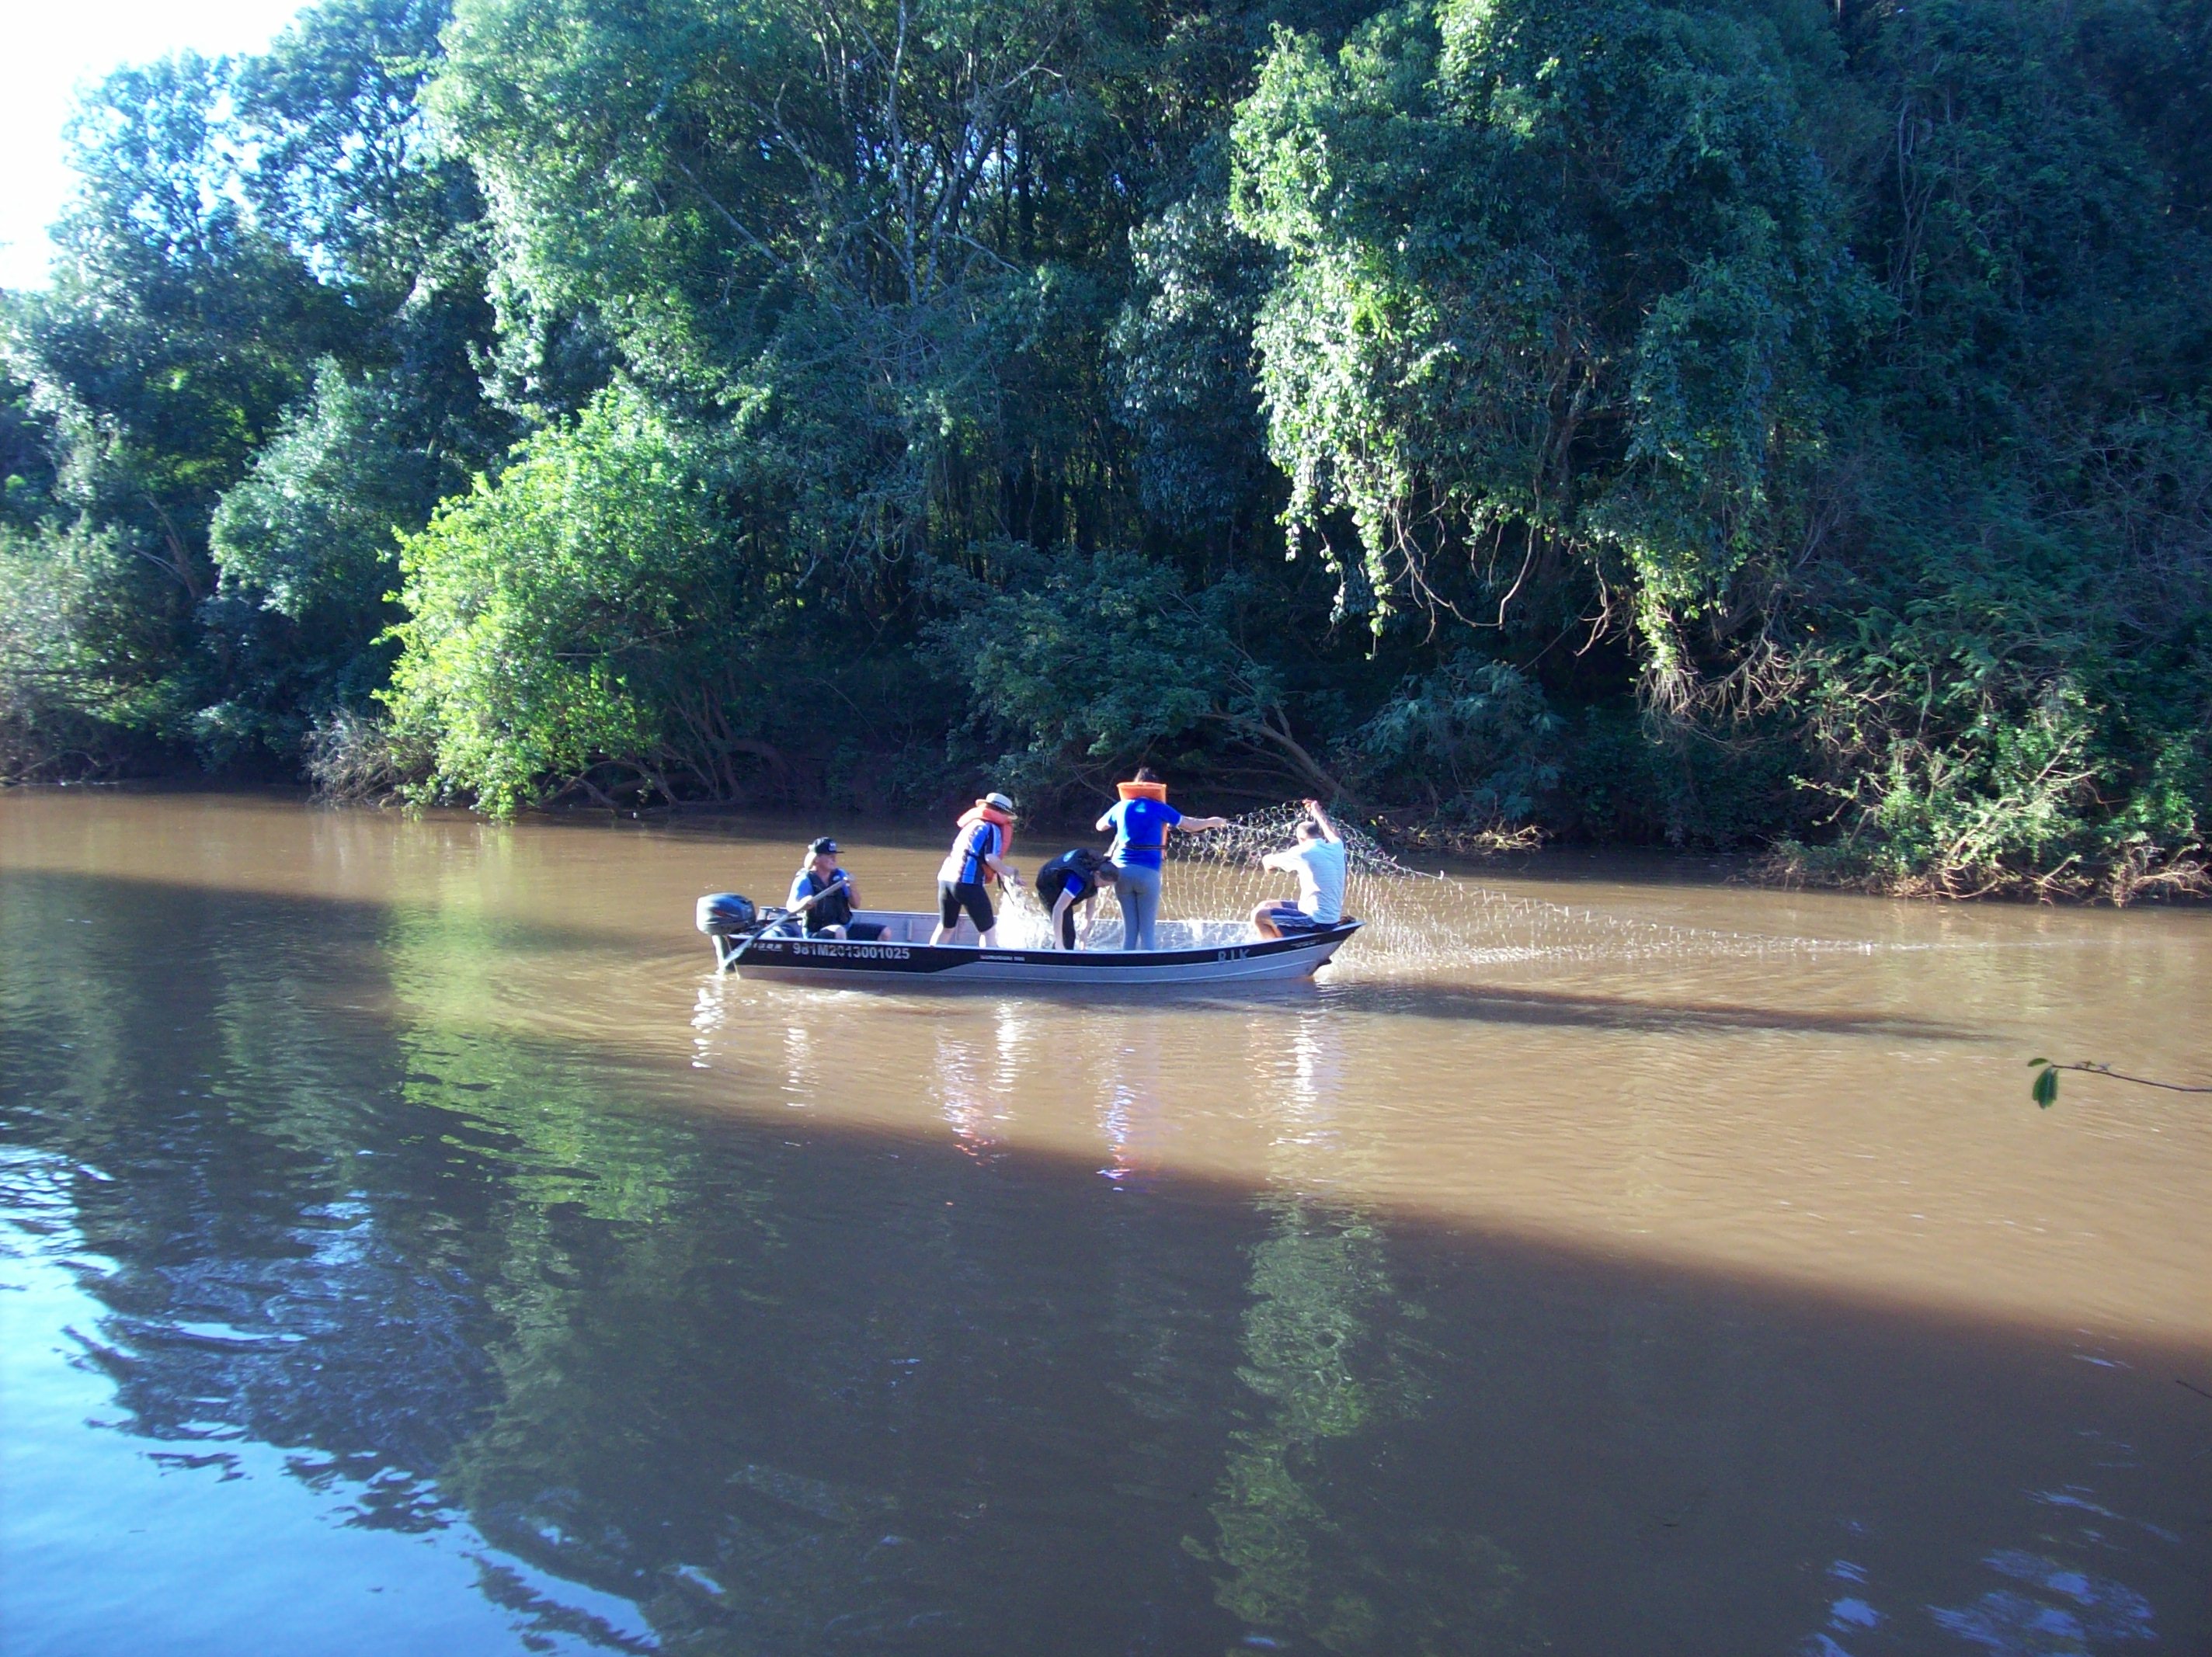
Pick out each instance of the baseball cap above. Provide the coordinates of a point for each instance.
(825, 845)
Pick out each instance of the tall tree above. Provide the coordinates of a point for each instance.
(175, 332)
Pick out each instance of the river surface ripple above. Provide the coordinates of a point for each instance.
(410, 1245)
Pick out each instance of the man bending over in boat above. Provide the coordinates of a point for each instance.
(978, 854)
(823, 896)
(1141, 825)
(1071, 878)
(1317, 860)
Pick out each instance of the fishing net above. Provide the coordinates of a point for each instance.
(1414, 920)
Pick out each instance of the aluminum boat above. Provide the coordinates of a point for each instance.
(895, 953)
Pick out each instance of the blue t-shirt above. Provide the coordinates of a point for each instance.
(1073, 872)
(1141, 831)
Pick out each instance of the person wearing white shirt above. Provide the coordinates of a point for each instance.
(1318, 861)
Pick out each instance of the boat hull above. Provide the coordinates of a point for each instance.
(893, 965)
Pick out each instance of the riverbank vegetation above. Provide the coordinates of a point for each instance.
(1748, 424)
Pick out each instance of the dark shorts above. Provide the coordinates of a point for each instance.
(970, 894)
(1289, 918)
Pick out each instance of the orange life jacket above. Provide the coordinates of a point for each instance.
(984, 811)
(1157, 790)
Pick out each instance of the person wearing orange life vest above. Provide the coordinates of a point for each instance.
(978, 854)
(1141, 825)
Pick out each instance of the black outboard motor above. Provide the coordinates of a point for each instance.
(727, 918)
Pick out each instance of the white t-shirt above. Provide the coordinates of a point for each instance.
(1318, 866)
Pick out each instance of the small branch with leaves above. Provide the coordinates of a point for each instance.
(2044, 1089)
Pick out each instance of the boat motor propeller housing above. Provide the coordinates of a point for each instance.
(724, 916)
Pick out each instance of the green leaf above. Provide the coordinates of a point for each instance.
(2045, 1090)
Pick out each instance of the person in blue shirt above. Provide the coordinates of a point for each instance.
(827, 890)
(1141, 823)
(1072, 878)
(978, 855)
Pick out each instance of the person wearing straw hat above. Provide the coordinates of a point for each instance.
(1318, 860)
(1140, 825)
(978, 855)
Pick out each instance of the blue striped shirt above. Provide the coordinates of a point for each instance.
(964, 864)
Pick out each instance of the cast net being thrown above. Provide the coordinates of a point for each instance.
(1414, 919)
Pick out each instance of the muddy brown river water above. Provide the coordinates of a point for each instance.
(411, 1246)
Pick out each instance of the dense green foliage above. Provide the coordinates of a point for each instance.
(582, 606)
(1724, 422)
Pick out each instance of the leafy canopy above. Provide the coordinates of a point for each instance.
(552, 613)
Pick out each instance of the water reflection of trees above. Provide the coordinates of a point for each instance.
(357, 1201)
(757, 1392)
(1309, 1545)
(265, 1282)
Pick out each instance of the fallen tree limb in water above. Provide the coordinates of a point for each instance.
(2044, 1089)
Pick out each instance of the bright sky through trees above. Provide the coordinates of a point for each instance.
(55, 44)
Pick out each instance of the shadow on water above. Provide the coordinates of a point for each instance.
(796, 1389)
(1555, 1009)
(358, 923)
(1577, 1009)
(150, 918)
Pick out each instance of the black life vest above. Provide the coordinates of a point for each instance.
(1075, 871)
(835, 910)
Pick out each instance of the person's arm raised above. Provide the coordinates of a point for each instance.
(1192, 825)
(1329, 830)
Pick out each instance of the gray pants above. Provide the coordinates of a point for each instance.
(1138, 891)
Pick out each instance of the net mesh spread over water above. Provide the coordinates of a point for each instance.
(1414, 919)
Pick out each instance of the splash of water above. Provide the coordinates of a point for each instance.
(1024, 924)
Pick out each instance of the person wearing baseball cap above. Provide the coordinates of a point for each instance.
(822, 893)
